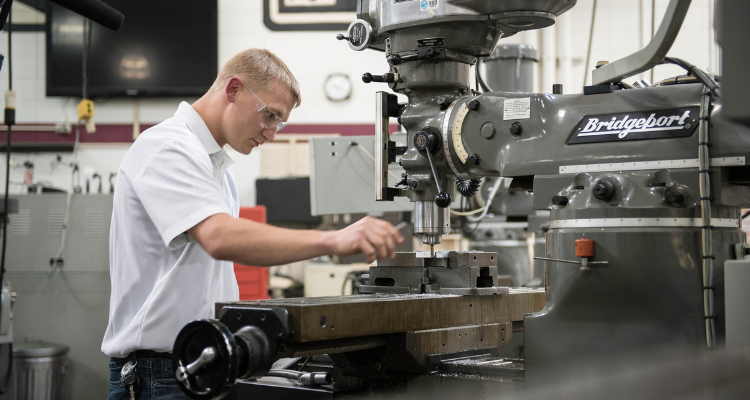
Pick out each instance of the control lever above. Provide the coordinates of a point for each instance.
(387, 77)
(208, 355)
(426, 141)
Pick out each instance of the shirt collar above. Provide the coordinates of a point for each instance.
(196, 125)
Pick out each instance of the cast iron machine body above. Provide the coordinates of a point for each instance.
(644, 186)
(651, 178)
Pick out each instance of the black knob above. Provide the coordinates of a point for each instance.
(394, 59)
(673, 196)
(604, 190)
(473, 104)
(516, 129)
(443, 199)
(413, 184)
(368, 77)
(443, 102)
(426, 140)
(473, 159)
(561, 201)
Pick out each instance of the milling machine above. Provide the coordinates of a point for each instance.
(644, 185)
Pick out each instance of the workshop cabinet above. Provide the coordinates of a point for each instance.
(253, 281)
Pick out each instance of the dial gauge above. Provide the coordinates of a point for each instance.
(458, 143)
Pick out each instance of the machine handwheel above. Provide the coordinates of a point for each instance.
(205, 359)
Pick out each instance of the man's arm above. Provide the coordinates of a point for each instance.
(252, 243)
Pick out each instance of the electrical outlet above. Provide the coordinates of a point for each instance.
(62, 129)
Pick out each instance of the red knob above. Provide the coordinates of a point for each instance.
(584, 248)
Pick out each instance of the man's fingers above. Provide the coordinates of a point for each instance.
(377, 236)
(367, 250)
(379, 242)
(391, 230)
(377, 239)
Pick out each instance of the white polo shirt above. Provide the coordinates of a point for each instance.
(173, 177)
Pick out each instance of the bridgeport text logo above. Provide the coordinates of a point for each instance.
(636, 126)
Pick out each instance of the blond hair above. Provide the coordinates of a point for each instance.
(259, 68)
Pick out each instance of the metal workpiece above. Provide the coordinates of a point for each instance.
(431, 221)
(445, 272)
(551, 123)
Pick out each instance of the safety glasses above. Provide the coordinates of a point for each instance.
(270, 119)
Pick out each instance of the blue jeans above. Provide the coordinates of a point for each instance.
(155, 373)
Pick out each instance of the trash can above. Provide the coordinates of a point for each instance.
(40, 370)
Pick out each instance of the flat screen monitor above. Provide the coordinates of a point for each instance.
(165, 48)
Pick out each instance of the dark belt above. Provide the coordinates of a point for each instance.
(151, 353)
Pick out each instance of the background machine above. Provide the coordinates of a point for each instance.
(644, 185)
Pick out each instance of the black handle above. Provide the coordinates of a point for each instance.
(368, 77)
(426, 141)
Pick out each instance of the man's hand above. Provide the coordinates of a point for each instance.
(373, 237)
(251, 243)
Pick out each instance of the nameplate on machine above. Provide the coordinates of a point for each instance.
(637, 125)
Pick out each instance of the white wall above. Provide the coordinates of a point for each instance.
(622, 27)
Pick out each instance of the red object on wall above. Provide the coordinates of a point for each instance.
(253, 281)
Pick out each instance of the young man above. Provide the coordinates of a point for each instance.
(175, 228)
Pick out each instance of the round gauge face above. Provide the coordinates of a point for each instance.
(458, 143)
(337, 87)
